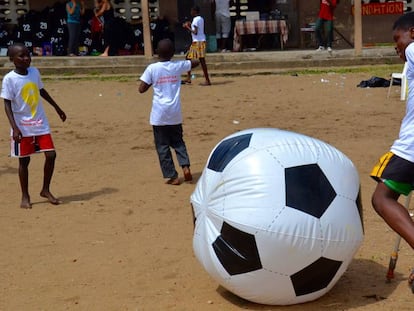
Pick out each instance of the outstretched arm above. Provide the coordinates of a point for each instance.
(51, 101)
(17, 134)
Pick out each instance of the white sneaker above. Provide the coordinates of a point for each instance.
(329, 49)
(320, 48)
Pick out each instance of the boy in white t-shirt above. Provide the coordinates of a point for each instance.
(198, 46)
(395, 170)
(22, 90)
(166, 117)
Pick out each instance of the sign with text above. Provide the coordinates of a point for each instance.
(381, 8)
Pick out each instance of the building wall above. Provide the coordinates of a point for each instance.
(344, 23)
(300, 12)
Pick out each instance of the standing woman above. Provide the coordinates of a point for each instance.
(107, 12)
(74, 10)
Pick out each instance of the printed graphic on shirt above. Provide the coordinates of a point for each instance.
(167, 79)
(30, 96)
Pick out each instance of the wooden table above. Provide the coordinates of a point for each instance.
(259, 27)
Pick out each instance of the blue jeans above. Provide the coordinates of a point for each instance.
(324, 27)
(166, 137)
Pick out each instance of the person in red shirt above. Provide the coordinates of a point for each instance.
(325, 21)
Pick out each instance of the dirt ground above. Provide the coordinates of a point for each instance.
(122, 239)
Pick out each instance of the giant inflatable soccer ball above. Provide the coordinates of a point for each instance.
(278, 216)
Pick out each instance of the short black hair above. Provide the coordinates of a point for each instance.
(165, 49)
(12, 48)
(404, 22)
(196, 9)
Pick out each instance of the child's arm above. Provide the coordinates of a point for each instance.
(51, 101)
(143, 87)
(101, 10)
(188, 27)
(17, 135)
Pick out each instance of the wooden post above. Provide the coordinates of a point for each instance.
(146, 28)
(357, 28)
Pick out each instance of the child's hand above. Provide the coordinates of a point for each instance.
(17, 135)
(61, 114)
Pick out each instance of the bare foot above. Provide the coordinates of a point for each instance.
(26, 203)
(104, 55)
(173, 181)
(50, 197)
(187, 174)
(206, 83)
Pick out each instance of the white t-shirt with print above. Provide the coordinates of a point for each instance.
(404, 145)
(198, 22)
(165, 78)
(26, 103)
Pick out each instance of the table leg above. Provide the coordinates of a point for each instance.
(281, 42)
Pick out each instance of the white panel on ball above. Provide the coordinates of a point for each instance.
(277, 216)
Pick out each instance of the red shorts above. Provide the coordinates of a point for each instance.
(30, 145)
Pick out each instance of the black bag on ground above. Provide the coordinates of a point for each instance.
(375, 82)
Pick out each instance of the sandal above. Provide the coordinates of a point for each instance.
(185, 82)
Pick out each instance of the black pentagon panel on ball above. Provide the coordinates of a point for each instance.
(315, 277)
(308, 189)
(236, 250)
(360, 210)
(227, 150)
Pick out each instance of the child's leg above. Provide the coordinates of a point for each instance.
(188, 79)
(24, 181)
(49, 167)
(385, 203)
(161, 138)
(204, 66)
(180, 148)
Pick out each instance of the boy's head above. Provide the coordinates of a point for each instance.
(195, 11)
(19, 55)
(165, 49)
(403, 33)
